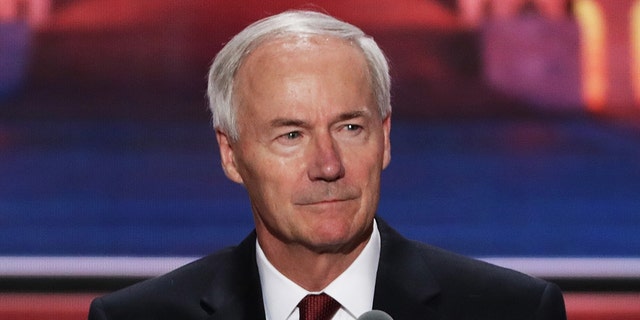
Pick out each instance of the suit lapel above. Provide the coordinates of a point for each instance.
(404, 286)
(235, 291)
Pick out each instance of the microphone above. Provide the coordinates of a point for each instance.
(375, 315)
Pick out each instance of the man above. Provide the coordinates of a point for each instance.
(301, 109)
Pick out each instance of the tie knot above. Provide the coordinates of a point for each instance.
(318, 307)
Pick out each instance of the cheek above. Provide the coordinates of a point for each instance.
(364, 164)
(366, 174)
(273, 180)
(257, 164)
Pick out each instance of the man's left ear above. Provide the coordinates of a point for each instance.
(386, 127)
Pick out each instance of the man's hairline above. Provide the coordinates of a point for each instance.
(266, 39)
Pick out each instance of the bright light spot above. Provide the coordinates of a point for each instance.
(593, 44)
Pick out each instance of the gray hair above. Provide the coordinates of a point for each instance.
(222, 73)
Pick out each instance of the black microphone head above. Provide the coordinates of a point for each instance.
(375, 315)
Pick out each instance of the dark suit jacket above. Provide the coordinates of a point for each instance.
(414, 281)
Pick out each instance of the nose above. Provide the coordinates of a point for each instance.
(325, 160)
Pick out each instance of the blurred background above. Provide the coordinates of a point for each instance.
(516, 139)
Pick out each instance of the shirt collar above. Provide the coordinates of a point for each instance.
(353, 289)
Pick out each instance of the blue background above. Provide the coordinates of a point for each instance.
(512, 186)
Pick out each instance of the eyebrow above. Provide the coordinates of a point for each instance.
(351, 115)
(287, 122)
(284, 122)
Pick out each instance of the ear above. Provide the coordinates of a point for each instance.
(386, 128)
(227, 156)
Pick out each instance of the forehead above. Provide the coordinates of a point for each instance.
(302, 42)
(299, 53)
(284, 67)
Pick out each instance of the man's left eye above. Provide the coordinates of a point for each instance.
(292, 135)
(352, 127)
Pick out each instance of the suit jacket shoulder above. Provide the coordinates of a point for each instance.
(224, 285)
(439, 284)
(414, 281)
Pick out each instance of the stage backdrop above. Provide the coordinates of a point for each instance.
(106, 149)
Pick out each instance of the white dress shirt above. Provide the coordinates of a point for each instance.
(353, 289)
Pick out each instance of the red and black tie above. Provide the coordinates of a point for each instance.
(318, 307)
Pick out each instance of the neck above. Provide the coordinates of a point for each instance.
(311, 268)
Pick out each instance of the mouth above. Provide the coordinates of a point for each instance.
(325, 197)
(330, 201)
(321, 202)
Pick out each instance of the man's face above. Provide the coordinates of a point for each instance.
(311, 145)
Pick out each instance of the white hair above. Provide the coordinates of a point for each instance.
(223, 70)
